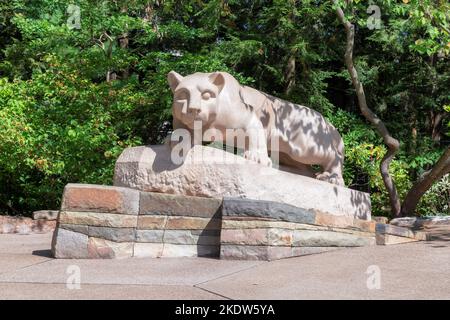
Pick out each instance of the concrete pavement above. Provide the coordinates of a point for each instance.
(418, 270)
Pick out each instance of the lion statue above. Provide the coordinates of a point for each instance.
(303, 137)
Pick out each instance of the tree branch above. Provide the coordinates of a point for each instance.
(441, 168)
(392, 144)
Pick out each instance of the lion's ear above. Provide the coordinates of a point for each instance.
(218, 79)
(252, 97)
(174, 80)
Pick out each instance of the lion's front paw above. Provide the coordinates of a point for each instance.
(259, 157)
(332, 178)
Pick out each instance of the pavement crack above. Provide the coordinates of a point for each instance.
(228, 274)
(24, 267)
(214, 293)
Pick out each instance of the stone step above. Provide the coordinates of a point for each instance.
(387, 234)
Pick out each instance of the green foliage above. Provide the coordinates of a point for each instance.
(436, 201)
(57, 129)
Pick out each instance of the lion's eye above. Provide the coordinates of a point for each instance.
(180, 96)
(207, 94)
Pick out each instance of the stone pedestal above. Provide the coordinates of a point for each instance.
(210, 172)
(116, 222)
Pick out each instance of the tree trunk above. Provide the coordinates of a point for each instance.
(123, 44)
(290, 74)
(148, 12)
(392, 144)
(436, 119)
(441, 168)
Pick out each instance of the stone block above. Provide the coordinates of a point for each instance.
(192, 223)
(280, 237)
(148, 250)
(45, 215)
(169, 204)
(186, 250)
(325, 219)
(363, 225)
(104, 249)
(98, 219)
(422, 222)
(380, 219)
(307, 238)
(251, 223)
(394, 230)
(267, 253)
(113, 234)
(243, 252)
(151, 222)
(97, 198)
(266, 209)
(69, 244)
(43, 226)
(244, 236)
(387, 239)
(155, 236)
(75, 228)
(189, 237)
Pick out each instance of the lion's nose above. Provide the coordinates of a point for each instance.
(194, 109)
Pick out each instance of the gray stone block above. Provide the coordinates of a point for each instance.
(308, 238)
(187, 237)
(266, 209)
(113, 234)
(69, 244)
(151, 236)
(75, 228)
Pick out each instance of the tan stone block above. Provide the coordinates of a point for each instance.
(380, 219)
(243, 252)
(368, 226)
(98, 219)
(187, 250)
(388, 239)
(244, 236)
(104, 249)
(189, 237)
(256, 224)
(193, 223)
(280, 237)
(422, 236)
(148, 250)
(85, 197)
(355, 232)
(324, 219)
(151, 222)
